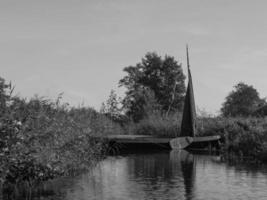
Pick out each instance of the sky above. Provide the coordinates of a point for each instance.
(80, 47)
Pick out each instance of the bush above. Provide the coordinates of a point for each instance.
(244, 136)
(41, 138)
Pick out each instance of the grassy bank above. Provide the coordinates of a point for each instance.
(42, 139)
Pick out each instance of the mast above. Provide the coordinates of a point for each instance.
(188, 126)
(187, 59)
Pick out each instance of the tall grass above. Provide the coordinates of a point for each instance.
(41, 138)
(155, 120)
(157, 124)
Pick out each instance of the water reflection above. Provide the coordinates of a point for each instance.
(164, 175)
(188, 170)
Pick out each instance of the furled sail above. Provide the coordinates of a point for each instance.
(188, 126)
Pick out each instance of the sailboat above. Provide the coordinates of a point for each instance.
(188, 131)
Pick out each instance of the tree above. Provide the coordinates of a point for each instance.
(163, 76)
(112, 109)
(243, 101)
(111, 106)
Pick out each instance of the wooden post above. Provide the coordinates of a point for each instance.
(210, 147)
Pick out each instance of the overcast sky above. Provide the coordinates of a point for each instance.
(80, 47)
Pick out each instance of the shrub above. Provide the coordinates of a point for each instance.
(244, 136)
(41, 138)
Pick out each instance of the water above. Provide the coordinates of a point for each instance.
(163, 175)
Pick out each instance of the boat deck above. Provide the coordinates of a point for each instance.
(150, 140)
(126, 139)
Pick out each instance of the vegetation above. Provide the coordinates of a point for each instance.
(113, 110)
(163, 76)
(155, 120)
(243, 101)
(111, 106)
(158, 125)
(41, 139)
(242, 136)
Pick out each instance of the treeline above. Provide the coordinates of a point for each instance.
(41, 139)
(157, 84)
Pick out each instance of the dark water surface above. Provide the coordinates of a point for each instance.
(164, 175)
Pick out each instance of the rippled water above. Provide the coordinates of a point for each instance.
(164, 175)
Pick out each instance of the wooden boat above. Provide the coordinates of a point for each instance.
(188, 133)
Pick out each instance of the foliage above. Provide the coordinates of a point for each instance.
(261, 111)
(113, 110)
(207, 126)
(111, 105)
(244, 136)
(5, 93)
(158, 125)
(163, 76)
(243, 101)
(155, 121)
(41, 139)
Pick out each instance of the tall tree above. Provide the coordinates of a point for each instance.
(163, 76)
(242, 101)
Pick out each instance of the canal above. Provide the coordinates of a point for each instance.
(163, 175)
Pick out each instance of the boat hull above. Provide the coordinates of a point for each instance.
(209, 143)
(181, 142)
(195, 142)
